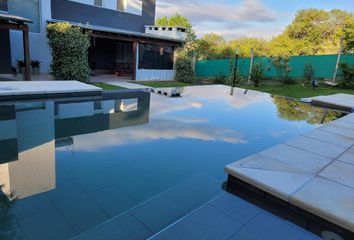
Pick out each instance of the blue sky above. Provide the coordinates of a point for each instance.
(239, 18)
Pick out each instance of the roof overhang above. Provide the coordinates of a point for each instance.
(115, 33)
(9, 18)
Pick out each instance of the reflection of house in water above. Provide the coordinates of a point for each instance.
(30, 131)
(30, 136)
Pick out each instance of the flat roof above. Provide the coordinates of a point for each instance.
(13, 18)
(118, 31)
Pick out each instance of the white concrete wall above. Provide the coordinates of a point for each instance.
(39, 49)
(89, 2)
(165, 31)
(153, 74)
(73, 110)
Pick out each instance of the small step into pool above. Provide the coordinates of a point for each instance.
(137, 166)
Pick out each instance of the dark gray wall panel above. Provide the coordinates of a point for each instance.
(3, 5)
(81, 13)
(5, 52)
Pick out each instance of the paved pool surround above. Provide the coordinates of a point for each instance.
(24, 90)
(313, 172)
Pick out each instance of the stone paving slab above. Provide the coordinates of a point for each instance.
(340, 172)
(332, 138)
(330, 200)
(340, 100)
(277, 183)
(316, 146)
(44, 87)
(348, 157)
(314, 172)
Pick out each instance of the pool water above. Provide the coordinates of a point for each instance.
(142, 161)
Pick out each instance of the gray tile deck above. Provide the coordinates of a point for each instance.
(229, 217)
(158, 212)
(314, 172)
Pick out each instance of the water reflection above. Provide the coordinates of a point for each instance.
(293, 110)
(76, 164)
(31, 131)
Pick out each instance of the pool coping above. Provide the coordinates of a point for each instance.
(319, 178)
(24, 90)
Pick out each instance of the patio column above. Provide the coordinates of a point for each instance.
(26, 52)
(135, 59)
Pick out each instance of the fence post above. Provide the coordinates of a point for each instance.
(338, 59)
(251, 65)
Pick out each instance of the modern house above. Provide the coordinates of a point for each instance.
(124, 41)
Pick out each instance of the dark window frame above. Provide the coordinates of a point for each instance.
(156, 57)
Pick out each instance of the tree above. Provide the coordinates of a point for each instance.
(348, 35)
(283, 68)
(313, 32)
(211, 46)
(179, 20)
(297, 111)
(257, 74)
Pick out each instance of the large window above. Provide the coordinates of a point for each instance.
(27, 9)
(128, 6)
(3, 5)
(153, 56)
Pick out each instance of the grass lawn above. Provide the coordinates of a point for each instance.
(164, 84)
(297, 90)
(106, 86)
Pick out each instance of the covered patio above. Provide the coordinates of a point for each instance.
(126, 55)
(12, 22)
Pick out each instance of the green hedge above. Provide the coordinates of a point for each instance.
(69, 47)
(184, 70)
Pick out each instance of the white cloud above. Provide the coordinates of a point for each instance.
(229, 19)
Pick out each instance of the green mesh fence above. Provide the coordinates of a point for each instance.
(323, 66)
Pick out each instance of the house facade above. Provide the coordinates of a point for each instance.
(124, 41)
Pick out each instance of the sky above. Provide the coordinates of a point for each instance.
(244, 18)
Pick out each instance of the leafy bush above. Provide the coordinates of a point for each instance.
(235, 73)
(283, 69)
(257, 74)
(69, 48)
(308, 74)
(220, 79)
(184, 70)
(346, 72)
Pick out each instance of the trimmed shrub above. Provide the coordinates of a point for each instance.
(308, 74)
(69, 47)
(346, 72)
(184, 70)
(283, 68)
(220, 79)
(257, 74)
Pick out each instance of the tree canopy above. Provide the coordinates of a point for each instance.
(179, 20)
(312, 32)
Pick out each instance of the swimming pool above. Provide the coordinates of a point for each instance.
(72, 165)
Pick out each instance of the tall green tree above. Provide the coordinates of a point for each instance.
(313, 32)
(179, 20)
(348, 35)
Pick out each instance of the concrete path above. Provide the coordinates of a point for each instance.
(314, 172)
(124, 82)
(128, 85)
